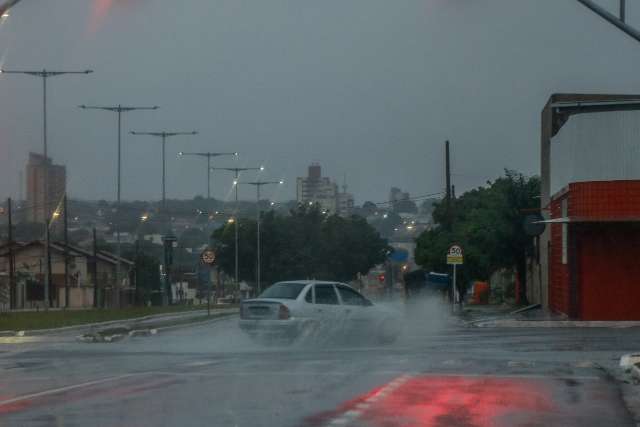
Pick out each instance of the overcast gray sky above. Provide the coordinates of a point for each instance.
(370, 88)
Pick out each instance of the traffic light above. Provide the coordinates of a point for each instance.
(381, 278)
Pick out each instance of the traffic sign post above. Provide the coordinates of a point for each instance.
(455, 257)
(208, 258)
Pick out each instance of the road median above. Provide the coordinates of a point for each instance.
(157, 320)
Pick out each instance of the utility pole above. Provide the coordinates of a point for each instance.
(167, 241)
(164, 135)
(95, 269)
(208, 156)
(259, 185)
(236, 172)
(12, 278)
(447, 168)
(66, 252)
(136, 272)
(44, 75)
(119, 109)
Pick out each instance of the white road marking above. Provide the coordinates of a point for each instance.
(353, 414)
(201, 363)
(64, 389)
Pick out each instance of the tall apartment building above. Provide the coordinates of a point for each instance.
(316, 189)
(320, 190)
(345, 204)
(55, 187)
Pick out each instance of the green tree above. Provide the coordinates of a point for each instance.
(405, 206)
(193, 238)
(303, 244)
(488, 223)
(387, 223)
(146, 272)
(147, 277)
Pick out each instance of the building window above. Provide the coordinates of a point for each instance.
(565, 230)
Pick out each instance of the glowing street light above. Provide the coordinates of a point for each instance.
(236, 172)
(208, 156)
(5, 6)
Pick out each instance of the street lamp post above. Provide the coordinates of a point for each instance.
(259, 185)
(4, 7)
(118, 109)
(44, 75)
(208, 155)
(236, 172)
(164, 136)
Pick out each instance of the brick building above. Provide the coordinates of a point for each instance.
(588, 267)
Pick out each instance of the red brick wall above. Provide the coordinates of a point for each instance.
(609, 271)
(615, 200)
(607, 255)
(558, 272)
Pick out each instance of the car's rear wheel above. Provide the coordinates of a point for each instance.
(388, 331)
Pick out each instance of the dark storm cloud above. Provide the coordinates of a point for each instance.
(370, 88)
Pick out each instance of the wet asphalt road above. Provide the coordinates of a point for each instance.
(212, 375)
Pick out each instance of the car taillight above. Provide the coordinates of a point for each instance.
(283, 312)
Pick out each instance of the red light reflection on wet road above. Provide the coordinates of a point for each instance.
(459, 401)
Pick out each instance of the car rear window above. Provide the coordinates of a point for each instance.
(350, 297)
(325, 294)
(286, 290)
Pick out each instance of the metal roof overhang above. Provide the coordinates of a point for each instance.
(575, 219)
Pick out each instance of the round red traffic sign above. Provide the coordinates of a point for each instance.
(208, 256)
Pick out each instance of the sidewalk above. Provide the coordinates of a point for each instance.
(506, 316)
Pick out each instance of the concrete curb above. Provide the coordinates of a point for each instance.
(91, 326)
(187, 325)
(512, 323)
(97, 337)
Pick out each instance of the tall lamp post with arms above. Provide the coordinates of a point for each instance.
(259, 185)
(119, 109)
(44, 74)
(164, 135)
(208, 156)
(236, 172)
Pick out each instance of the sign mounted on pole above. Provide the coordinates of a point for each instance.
(454, 255)
(208, 256)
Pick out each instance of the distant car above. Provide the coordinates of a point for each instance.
(294, 309)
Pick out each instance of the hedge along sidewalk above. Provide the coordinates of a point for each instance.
(42, 322)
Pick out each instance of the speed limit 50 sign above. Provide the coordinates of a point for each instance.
(454, 255)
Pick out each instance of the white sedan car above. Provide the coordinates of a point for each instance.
(294, 309)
